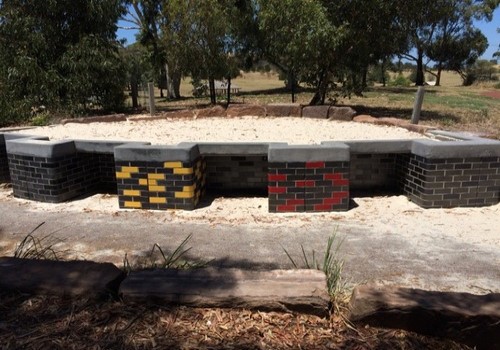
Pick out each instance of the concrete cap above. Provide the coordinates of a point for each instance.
(456, 149)
(12, 136)
(333, 152)
(378, 146)
(234, 148)
(40, 148)
(155, 153)
(97, 146)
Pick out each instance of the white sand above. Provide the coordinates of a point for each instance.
(244, 129)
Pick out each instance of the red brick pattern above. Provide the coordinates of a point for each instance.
(308, 186)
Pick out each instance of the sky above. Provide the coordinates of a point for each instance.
(489, 29)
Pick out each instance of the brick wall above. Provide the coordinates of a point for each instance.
(371, 171)
(237, 172)
(160, 185)
(454, 182)
(51, 180)
(308, 186)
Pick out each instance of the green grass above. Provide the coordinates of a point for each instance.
(41, 248)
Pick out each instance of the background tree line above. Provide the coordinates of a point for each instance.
(63, 56)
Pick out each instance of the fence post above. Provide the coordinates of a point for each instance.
(151, 93)
(417, 107)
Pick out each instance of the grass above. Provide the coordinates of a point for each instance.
(157, 258)
(330, 264)
(43, 248)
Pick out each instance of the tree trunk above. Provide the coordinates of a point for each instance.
(292, 81)
(134, 92)
(228, 91)
(419, 81)
(211, 85)
(364, 77)
(438, 75)
(320, 94)
(382, 70)
(170, 85)
(176, 82)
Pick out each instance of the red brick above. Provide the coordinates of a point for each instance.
(276, 177)
(295, 202)
(322, 207)
(332, 201)
(286, 208)
(340, 194)
(315, 165)
(278, 190)
(333, 176)
(309, 183)
(342, 182)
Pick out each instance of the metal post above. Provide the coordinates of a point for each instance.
(151, 92)
(417, 107)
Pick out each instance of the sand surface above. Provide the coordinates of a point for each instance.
(245, 129)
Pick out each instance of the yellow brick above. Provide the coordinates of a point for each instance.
(133, 205)
(172, 165)
(183, 171)
(153, 183)
(131, 193)
(156, 176)
(184, 194)
(143, 182)
(121, 175)
(157, 188)
(188, 188)
(130, 169)
(157, 200)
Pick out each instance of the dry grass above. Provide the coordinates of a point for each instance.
(54, 323)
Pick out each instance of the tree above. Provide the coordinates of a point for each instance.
(62, 55)
(435, 26)
(300, 40)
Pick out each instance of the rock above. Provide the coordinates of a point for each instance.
(182, 113)
(341, 113)
(284, 110)
(216, 111)
(245, 110)
(392, 122)
(73, 278)
(463, 317)
(364, 118)
(100, 119)
(279, 290)
(320, 112)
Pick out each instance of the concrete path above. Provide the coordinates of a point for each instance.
(436, 262)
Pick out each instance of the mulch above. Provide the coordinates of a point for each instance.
(42, 322)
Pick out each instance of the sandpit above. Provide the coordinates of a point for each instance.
(172, 131)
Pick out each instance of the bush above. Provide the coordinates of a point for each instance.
(400, 80)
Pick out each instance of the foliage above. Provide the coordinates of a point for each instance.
(331, 265)
(59, 54)
(400, 80)
(480, 71)
(32, 247)
(158, 259)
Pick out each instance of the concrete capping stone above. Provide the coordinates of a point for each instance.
(377, 147)
(156, 153)
(456, 149)
(459, 136)
(332, 152)
(40, 148)
(234, 148)
(10, 136)
(97, 146)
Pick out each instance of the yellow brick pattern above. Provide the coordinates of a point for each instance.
(184, 194)
(172, 165)
(183, 171)
(157, 188)
(130, 169)
(143, 182)
(131, 204)
(156, 176)
(157, 200)
(132, 193)
(122, 175)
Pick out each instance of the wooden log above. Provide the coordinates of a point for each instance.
(69, 278)
(301, 291)
(467, 318)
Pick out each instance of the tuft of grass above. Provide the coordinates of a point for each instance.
(157, 258)
(43, 248)
(330, 264)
